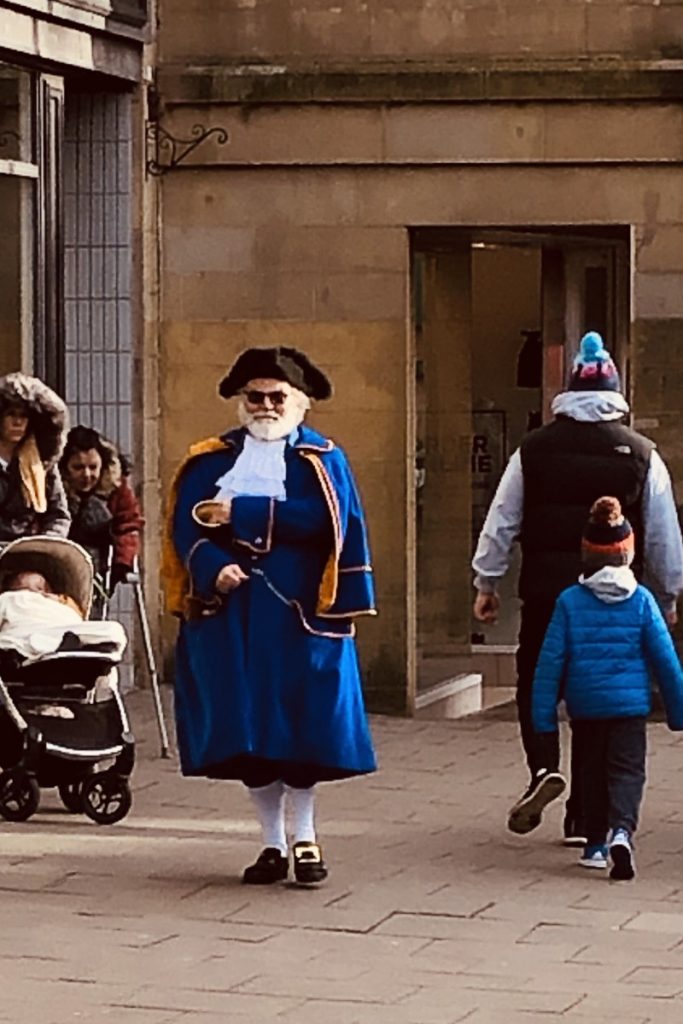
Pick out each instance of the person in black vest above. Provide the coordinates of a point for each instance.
(542, 501)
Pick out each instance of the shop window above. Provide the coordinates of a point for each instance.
(18, 183)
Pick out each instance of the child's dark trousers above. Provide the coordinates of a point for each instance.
(612, 773)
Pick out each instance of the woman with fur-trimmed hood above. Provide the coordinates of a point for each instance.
(33, 423)
(104, 509)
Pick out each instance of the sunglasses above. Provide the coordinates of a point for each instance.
(259, 397)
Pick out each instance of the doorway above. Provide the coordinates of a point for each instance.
(498, 314)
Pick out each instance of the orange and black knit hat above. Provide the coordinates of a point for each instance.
(608, 536)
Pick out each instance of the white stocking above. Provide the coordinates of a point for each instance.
(269, 802)
(302, 804)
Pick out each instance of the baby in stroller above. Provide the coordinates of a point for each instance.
(27, 602)
(62, 719)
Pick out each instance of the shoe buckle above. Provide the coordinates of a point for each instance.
(310, 853)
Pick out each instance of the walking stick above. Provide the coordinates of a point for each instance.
(135, 579)
(102, 584)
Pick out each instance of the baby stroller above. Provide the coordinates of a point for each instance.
(63, 722)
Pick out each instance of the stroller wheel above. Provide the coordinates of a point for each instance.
(71, 796)
(106, 797)
(19, 795)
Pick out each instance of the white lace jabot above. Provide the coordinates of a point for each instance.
(259, 471)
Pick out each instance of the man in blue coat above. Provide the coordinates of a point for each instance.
(267, 563)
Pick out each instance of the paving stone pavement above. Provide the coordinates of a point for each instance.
(433, 913)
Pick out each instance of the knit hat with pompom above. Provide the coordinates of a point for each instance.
(593, 368)
(608, 536)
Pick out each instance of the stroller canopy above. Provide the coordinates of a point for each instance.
(65, 565)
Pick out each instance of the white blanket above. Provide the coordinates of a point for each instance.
(34, 625)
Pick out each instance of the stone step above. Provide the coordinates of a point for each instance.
(451, 698)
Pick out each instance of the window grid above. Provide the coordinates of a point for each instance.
(98, 258)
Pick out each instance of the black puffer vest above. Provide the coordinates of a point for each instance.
(567, 466)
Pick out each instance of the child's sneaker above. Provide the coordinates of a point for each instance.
(621, 854)
(594, 856)
(525, 815)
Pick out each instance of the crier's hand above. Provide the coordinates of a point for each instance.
(229, 577)
(671, 616)
(219, 513)
(486, 608)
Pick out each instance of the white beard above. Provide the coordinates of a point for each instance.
(273, 428)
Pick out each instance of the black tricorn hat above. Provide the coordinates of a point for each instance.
(280, 363)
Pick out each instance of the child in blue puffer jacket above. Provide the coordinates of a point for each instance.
(605, 637)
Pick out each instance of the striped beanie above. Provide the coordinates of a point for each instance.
(593, 368)
(608, 537)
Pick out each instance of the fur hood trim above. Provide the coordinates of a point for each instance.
(112, 474)
(48, 415)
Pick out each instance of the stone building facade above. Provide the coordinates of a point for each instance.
(434, 198)
(71, 211)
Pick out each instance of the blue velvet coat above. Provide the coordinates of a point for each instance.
(270, 670)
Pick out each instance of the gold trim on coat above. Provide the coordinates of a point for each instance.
(327, 592)
(174, 575)
(319, 632)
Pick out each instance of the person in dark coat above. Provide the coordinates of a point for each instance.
(104, 510)
(267, 564)
(33, 423)
(542, 500)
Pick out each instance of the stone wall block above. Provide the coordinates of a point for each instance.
(462, 132)
(521, 195)
(648, 391)
(418, 29)
(627, 131)
(190, 249)
(659, 296)
(286, 134)
(339, 248)
(367, 296)
(632, 29)
(222, 296)
(658, 343)
(659, 248)
(242, 198)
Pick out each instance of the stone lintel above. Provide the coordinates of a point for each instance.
(78, 48)
(406, 82)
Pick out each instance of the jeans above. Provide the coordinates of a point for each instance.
(612, 773)
(542, 751)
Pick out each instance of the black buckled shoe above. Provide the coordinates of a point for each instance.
(269, 867)
(309, 866)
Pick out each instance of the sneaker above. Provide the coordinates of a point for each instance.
(573, 833)
(526, 814)
(594, 856)
(621, 854)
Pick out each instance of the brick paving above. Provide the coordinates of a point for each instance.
(433, 914)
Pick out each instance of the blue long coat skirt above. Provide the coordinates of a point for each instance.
(254, 678)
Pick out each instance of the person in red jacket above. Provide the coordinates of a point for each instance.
(104, 509)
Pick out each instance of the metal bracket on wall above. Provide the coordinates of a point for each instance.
(165, 151)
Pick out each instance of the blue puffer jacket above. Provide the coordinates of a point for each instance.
(598, 657)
